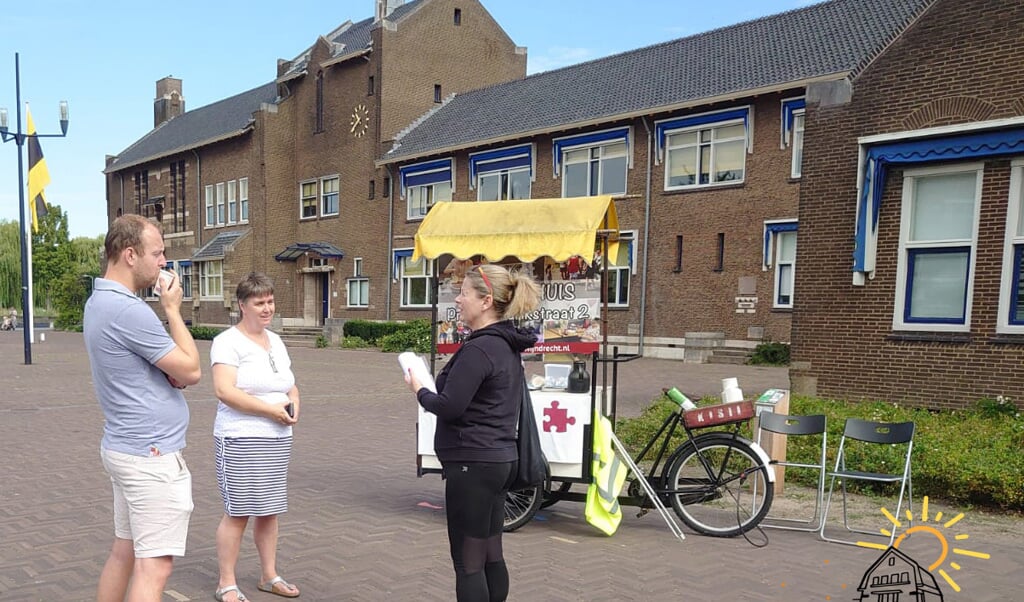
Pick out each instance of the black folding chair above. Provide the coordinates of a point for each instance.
(851, 465)
(783, 424)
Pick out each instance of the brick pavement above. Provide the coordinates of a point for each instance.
(364, 527)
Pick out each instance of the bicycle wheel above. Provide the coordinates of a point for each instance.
(521, 505)
(710, 492)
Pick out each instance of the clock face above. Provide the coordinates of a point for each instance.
(360, 121)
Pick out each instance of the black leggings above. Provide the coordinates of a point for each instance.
(475, 504)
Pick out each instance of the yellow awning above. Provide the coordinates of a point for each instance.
(527, 229)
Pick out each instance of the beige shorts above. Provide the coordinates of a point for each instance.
(152, 501)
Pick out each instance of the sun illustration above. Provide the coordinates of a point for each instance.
(926, 528)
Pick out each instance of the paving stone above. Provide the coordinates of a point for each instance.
(356, 529)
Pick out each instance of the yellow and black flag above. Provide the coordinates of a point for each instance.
(38, 175)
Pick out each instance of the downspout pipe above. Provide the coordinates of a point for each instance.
(200, 217)
(647, 239)
(200, 214)
(120, 178)
(391, 242)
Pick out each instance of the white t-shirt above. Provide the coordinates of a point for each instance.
(256, 376)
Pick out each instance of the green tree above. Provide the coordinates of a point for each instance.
(51, 254)
(10, 265)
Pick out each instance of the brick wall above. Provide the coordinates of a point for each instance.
(698, 298)
(427, 48)
(958, 64)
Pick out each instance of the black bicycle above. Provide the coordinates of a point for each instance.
(717, 481)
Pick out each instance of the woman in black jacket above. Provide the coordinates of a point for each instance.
(477, 401)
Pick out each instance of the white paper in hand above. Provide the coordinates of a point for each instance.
(410, 361)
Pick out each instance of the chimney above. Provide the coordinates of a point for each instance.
(385, 7)
(168, 103)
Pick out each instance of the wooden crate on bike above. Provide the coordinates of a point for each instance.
(716, 415)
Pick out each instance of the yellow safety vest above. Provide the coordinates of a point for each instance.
(609, 472)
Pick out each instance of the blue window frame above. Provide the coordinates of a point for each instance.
(914, 150)
(1011, 293)
(1016, 317)
(780, 252)
(938, 237)
(706, 149)
(502, 174)
(937, 285)
(594, 163)
(424, 184)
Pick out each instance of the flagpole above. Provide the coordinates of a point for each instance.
(19, 137)
(30, 324)
(26, 236)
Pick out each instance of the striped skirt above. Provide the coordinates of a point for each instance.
(252, 474)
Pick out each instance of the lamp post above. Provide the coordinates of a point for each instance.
(19, 138)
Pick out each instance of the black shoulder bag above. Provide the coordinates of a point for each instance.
(533, 466)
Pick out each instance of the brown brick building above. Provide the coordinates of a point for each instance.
(321, 177)
(913, 174)
(700, 139)
(282, 178)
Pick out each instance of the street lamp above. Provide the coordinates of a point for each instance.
(19, 138)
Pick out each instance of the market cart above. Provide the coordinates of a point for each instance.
(569, 233)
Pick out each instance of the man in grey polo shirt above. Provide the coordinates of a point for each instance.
(138, 370)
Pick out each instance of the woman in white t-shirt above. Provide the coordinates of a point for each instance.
(259, 403)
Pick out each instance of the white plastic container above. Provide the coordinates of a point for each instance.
(556, 376)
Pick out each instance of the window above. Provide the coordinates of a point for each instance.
(372, 192)
(232, 201)
(422, 198)
(358, 286)
(458, 16)
(719, 253)
(319, 127)
(502, 174)
(594, 170)
(177, 195)
(705, 155)
(182, 194)
(211, 279)
(425, 184)
(329, 199)
(785, 262)
(503, 185)
(938, 235)
(798, 143)
(793, 131)
(226, 202)
(706, 149)
(184, 270)
(220, 203)
(211, 217)
(243, 200)
(370, 87)
(415, 276)
(141, 189)
(780, 252)
(437, 92)
(1011, 291)
(308, 199)
(619, 270)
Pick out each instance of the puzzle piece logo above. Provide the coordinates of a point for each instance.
(558, 420)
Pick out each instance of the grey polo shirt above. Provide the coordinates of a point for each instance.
(125, 338)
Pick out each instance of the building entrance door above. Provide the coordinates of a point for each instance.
(311, 295)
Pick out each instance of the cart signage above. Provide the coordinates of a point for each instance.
(724, 413)
(568, 320)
